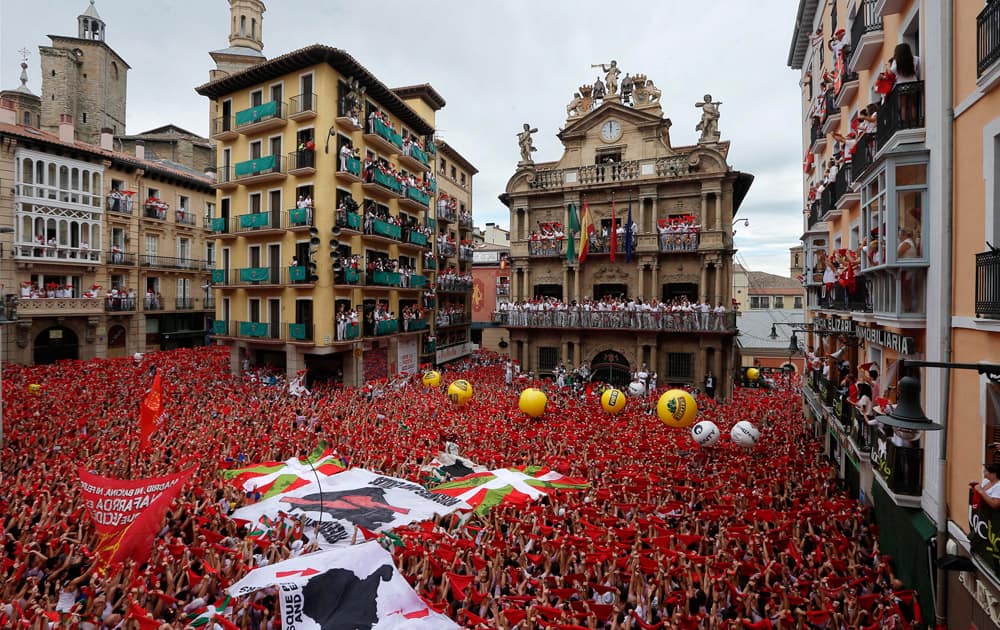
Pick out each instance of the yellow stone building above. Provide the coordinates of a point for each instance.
(618, 149)
(325, 202)
(900, 185)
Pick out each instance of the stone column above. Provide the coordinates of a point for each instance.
(527, 289)
(576, 354)
(527, 361)
(704, 210)
(703, 289)
(718, 281)
(564, 355)
(576, 283)
(641, 271)
(566, 286)
(654, 365)
(718, 210)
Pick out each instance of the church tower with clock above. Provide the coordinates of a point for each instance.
(622, 248)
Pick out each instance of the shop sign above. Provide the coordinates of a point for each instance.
(901, 344)
(833, 325)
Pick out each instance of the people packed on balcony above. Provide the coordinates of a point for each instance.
(450, 313)
(411, 315)
(452, 279)
(32, 291)
(447, 207)
(347, 152)
(157, 208)
(678, 233)
(120, 200)
(347, 319)
(617, 312)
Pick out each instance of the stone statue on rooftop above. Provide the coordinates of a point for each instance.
(611, 74)
(709, 125)
(525, 143)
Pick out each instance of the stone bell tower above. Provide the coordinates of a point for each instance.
(246, 39)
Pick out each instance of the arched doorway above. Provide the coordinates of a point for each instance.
(611, 367)
(116, 341)
(55, 344)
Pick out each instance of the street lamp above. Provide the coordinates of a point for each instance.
(908, 415)
(793, 343)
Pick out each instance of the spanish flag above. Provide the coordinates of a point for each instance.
(586, 229)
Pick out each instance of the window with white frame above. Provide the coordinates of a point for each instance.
(760, 301)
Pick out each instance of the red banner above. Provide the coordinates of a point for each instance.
(128, 513)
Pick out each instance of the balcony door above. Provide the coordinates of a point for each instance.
(304, 313)
(274, 262)
(274, 317)
(274, 205)
(253, 309)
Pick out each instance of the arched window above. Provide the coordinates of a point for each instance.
(114, 71)
(253, 28)
(243, 25)
(27, 119)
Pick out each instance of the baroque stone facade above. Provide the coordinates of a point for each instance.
(618, 153)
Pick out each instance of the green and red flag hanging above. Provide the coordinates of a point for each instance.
(273, 478)
(574, 229)
(518, 486)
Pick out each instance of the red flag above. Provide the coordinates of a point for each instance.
(614, 229)
(137, 612)
(151, 412)
(127, 514)
(586, 229)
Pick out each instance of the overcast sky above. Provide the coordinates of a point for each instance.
(498, 64)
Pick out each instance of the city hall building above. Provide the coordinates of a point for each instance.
(683, 198)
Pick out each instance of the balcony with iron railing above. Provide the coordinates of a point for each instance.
(465, 254)
(679, 322)
(208, 303)
(119, 203)
(349, 169)
(184, 303)
(299, 218)
(864, 155)
(413, 158)
(219, 225)
(902, 109)
(817, 137)
(866, 36)
(348, 332)
(171, 262)
(260, 331)
(386, 230)
(302, 107)
(119, 258)
(348, 220)
(447, 320)
(814, 215)
(862, 434)
(183, 216)
(223, 128)
(901, 468)
(412, 325)
(988, 284)
(987, 37)
(386, 327)
(379, 181)
(302, 162)
(419, 239)
(58, 307)
(301, 332)
(260, 222)
(262, 169)
(383, 137)
(545, 248)
(270, 115)
(447, 250)
(840, 298)
(415, 199)
(155, 210)
(445, 212)
(120, 304)
(259, 276)
(591, 174)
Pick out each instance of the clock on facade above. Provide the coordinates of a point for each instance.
(611, 131)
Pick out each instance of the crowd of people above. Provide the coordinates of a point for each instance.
(666, 536)
(451, 313)
(451, 279)
(612, 312)
(678, 233)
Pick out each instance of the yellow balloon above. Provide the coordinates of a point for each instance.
(753, 374)
(532, 402)
(613, 400)
(677, 408)
(460, 392)
(431, 378)
(34, 389)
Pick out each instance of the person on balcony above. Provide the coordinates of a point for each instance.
(989, 488)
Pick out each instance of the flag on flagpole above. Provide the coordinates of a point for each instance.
(151, 412)
(574, 227)
(614, 229)
(586, 229)
(628, 233)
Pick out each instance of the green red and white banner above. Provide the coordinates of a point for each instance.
(272, 478)
(518, 486)
(337, 503)
(350, 587)
(127, 514)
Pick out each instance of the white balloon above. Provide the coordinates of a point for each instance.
(636, 388)
(706, 433)
(744, 434)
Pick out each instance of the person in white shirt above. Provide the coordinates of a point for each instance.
(989, 488)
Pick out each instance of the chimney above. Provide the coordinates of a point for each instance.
(66, 131)
(140, 149)
(107, 139)
(8, 115)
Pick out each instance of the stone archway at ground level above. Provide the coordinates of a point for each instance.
(55, 344)
(611, 367)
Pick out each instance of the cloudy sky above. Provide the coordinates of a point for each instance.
(498, 63)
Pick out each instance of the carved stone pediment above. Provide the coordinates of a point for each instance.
(607, 272)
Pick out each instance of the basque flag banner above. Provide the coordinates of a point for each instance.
(350, 587)
(354, 497)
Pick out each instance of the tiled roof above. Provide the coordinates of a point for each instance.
(764, 280)
(163, 168)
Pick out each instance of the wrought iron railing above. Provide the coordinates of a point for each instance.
(302, 103)
(901, 467)
(988, 284)
(867, 20)
(988, 36)
(614, 320)
(903, 109)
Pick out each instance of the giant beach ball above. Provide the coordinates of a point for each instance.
(676, 408)
(753, 374)
(532, 402)
(34, 389)
(613, 400)
(744, 434)
(706, 434)
(460, 392)
(431, 378)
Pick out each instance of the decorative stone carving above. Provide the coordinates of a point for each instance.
(611, 74)
(607, 272)
(645, 94)
(709, 125)
(573, 108)
(23, 333)
(526, 145)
